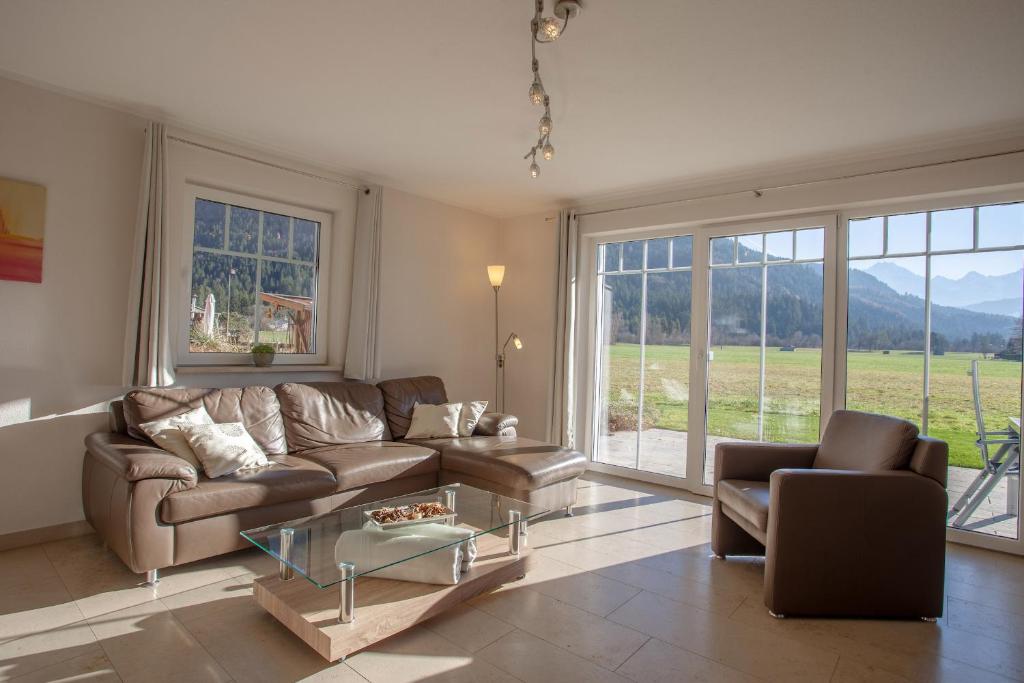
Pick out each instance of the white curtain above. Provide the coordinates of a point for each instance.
(148, 359)
(361, 361)
(562, 427)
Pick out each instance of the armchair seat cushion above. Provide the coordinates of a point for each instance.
(520, 464)
(356, 465)
(748, 499)
(285, 480)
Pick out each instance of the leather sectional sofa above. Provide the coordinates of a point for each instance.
(331, 445)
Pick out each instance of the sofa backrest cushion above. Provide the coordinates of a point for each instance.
(330, 413)
(255, 407)
(865, 441)
(402, 395)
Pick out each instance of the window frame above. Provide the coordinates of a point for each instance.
(186, 357)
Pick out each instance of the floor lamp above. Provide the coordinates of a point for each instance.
(496, 274)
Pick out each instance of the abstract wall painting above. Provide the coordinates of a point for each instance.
(22, 217)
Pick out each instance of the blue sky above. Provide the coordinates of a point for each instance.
(998, 226)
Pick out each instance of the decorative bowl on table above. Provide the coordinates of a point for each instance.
(406, 515)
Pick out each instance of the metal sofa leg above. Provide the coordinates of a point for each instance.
(152, 577)
(568, 510)
(777, 616)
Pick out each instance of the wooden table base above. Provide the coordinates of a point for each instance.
(383, 607)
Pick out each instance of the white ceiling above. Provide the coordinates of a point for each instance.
(430, 95)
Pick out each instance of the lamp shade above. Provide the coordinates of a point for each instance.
(496, 274)
(517, 342)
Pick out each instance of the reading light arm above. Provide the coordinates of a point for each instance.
(508, 341)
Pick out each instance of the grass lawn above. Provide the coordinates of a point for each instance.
(883, 383)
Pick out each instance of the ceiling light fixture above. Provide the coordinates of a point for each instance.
(546, 30)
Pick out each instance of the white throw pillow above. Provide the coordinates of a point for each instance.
(224, 448)
(434, 421)
(166, 434)
(470, 415)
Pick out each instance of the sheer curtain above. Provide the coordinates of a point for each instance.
(148, 359)
(361, 361)
(562, 426)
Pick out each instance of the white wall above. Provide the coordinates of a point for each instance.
(529, 246)
(61, 341)
(437, 306)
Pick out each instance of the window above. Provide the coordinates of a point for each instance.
(934, 308)
(255, 278)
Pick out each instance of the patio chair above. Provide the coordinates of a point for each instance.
(1004, 464)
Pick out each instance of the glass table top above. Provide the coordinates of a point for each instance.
(314, 546)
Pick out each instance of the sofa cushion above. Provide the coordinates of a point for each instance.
(748, 499)
(362, 464)
(865, 441)
(521, 464)
(255, 407)
(321, 414)
(286, 479)
(402, 395)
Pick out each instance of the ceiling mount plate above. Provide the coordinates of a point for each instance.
(567, 9)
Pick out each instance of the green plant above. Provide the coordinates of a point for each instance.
(262, 348)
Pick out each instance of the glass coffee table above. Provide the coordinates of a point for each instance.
(405, 569)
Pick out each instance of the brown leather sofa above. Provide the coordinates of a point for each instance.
(331, 445)
(854, 526)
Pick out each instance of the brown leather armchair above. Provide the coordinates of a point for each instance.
(854, 526)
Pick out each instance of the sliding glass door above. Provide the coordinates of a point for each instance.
(935, 302)
(766, 326)
(707, 337)
(644, 290)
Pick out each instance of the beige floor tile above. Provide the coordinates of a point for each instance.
(46, 647)
(421, 655)
(985, 620)
(660, 662)
(93, 667)
(469, 628)
(568, 627)
(146, 643)
(736, 575)
(531, 659)
(589, 591)
(753, 651)
(696, 593)
(849, 670)
(101, 583)
(248, 642)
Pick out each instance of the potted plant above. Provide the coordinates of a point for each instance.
(262, 355)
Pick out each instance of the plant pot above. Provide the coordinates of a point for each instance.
(262, 360)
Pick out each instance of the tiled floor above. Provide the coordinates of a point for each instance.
(625, 590)
(664, 451)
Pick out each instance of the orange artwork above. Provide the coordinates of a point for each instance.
(22, 216)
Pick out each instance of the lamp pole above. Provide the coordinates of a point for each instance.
(497, 350)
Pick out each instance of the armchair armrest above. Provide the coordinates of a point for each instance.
(135, 460)
(855, 543)
(757, 461)
(496, 424)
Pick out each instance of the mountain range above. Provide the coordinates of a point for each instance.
(1000, 294)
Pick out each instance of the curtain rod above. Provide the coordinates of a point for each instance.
(336, 181)
(757, 192)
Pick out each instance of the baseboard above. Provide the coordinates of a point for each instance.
(46, 534)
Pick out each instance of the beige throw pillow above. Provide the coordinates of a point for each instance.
(224, 448)
(166, 434)
(470, 415)
(434, 421)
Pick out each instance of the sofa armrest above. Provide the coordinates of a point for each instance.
(855, 543)
(135, 460)
(496, 424)
(757, 461)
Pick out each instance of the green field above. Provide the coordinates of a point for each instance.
(883, 383)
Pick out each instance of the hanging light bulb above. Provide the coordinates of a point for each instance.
(534, 170)
(547, 151)
(536, 92)
(545, 125)
(549, 29)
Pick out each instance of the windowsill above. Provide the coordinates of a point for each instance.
(252, 369)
